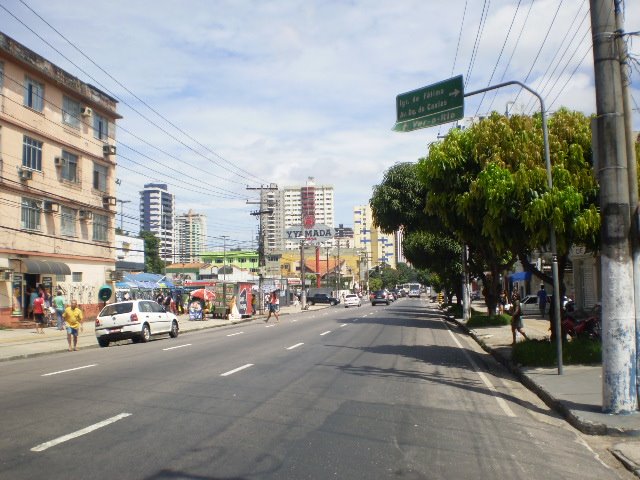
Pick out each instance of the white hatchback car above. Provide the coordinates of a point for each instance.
(136, 320)
(352, 300)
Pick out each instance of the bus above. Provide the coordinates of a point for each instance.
(415, 290)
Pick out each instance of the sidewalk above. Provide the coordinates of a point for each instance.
(24, 343)
(576, 394)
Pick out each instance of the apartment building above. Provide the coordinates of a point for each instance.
(294, 205)
(378, 248)
(57, 181)
(190, 236)
(157, 215)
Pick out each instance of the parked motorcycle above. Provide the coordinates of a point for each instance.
(578, 325)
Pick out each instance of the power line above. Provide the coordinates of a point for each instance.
(129, 91)
(476, 45)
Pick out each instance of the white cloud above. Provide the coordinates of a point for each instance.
(285, 90)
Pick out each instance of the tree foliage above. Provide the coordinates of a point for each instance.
(152, 261)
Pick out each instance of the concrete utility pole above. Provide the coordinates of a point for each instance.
(625, 68)
(618, 306)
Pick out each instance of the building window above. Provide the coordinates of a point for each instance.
(76, 276)
(71, 112)
(69, 167)
(100, 177)
(68, 221)
(100, 127)
(1, 75)
(33, 94)
(100, 227)
(60, 277)
(31, 153)
(30, 214)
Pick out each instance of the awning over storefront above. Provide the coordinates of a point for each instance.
(45, 266)
(520, 276)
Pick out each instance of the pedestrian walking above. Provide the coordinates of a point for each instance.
(38, 313)
(73, 321)
(542, 300)
(59, 305)
(274, 305)
(516, 317)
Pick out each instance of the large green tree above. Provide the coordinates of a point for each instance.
(398, 202)
(488, 185)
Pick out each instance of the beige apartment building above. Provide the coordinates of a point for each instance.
(57, 183)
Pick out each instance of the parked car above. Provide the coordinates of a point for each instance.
(529, 305)
(379, 296)
(137, 320)
(322, 298)
(352, 300)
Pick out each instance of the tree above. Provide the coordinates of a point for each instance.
(152, 261)
(399, 203)
(488, 186)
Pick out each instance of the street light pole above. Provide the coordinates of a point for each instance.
(224, 258)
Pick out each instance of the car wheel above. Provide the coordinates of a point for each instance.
(387, 302)
(333, 304)
(145, 334)
(174, 329)
(103, 342)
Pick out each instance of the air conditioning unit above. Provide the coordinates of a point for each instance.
(60, 161)
(108, 150)
(50, 207)
(109, 201)
(24, 174)
(5, 275)
(86, 111)
(85, 214)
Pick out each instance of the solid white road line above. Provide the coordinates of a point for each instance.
(225, 374)
(84, 431)
(324, 333)
(177, 346)
(69, 370)
(294, 346)
(505, 407)
(234, 334)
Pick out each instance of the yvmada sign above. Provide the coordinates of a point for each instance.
(317, 232)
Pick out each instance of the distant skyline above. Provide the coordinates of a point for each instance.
(274, 92)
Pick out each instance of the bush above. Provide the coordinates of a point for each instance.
(542, 353)
(483, 320)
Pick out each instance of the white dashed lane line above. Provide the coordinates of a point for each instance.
(294, 346)
(78, 433)
(230, 372)
(324, 333)
(344, 324)
(68, 370)
(234, 334)
(177, 346)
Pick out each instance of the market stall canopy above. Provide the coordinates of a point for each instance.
(520, 276)
(45, 266)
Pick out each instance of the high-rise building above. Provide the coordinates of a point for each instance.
(292, 206)
(190, 236)
(378, 247)
(58, 160)
(157, 211)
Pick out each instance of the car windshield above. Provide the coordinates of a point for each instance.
(116, 309)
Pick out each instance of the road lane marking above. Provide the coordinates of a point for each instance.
(68, 370)
(177, 346)
(324, 333)
(505, 407)
(78, 433)
(234, 334)
(230, 372)
(344, 325)
(294, 346)
(269, 326)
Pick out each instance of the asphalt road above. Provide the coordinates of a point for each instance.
(359, 393)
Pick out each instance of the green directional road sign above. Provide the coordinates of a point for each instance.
(439, 103)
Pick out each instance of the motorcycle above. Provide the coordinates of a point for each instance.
(578, 325)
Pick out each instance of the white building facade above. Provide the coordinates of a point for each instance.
(157, 215)
(190, 236)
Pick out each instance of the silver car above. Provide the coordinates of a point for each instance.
(137, 320)
(352, 300)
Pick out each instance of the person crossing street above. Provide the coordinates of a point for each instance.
(274, 305)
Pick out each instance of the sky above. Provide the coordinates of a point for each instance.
(217, 96)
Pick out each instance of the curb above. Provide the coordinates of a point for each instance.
(585, 426)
